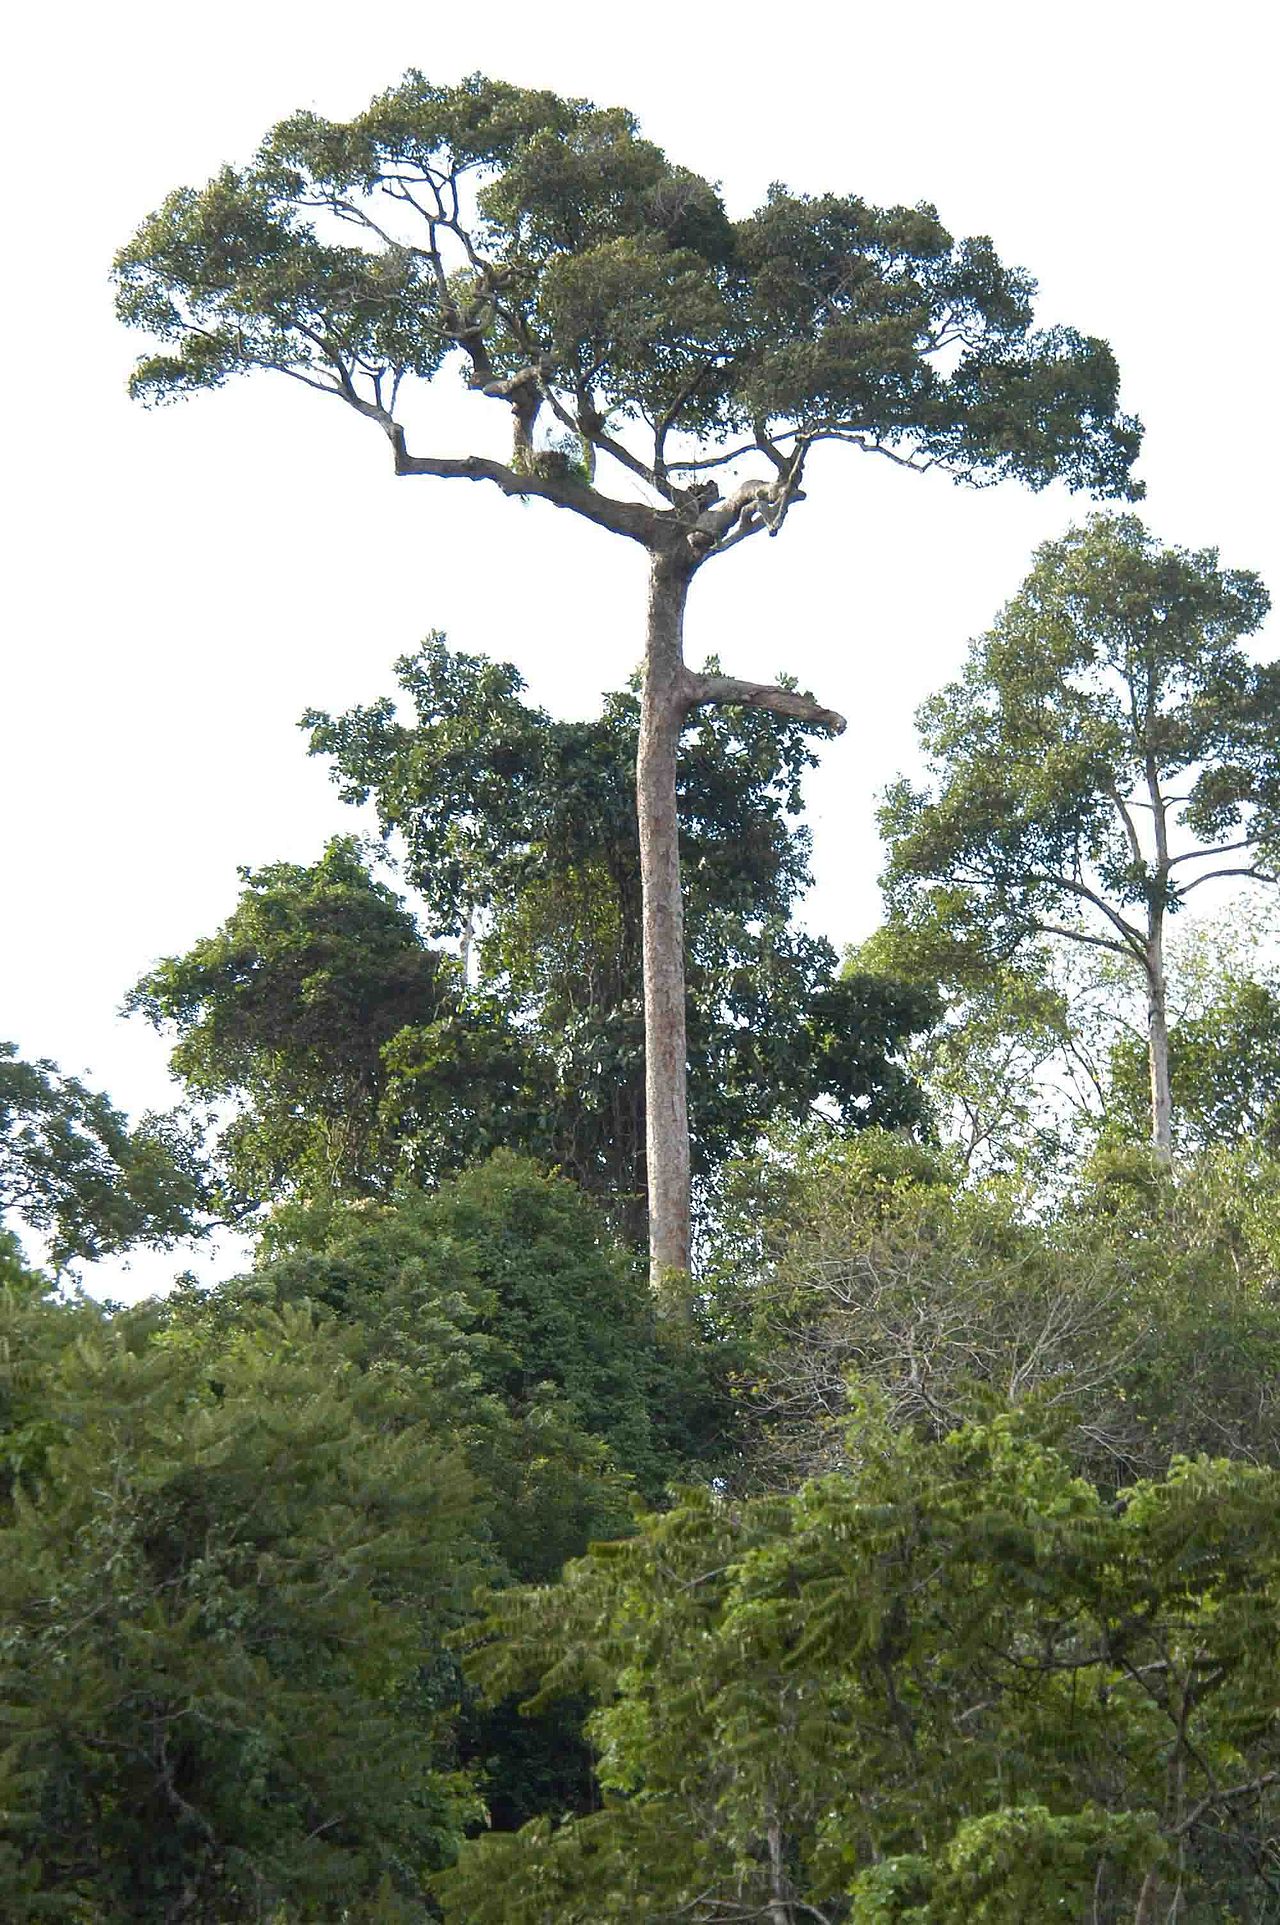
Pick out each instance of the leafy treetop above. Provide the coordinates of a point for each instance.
(1111, 749)
(567, 263)
(1115, 676)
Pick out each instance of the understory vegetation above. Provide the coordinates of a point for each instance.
(916, 1559)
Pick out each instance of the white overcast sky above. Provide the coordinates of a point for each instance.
(182, 584)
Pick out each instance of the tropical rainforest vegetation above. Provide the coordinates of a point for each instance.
(908, 1551)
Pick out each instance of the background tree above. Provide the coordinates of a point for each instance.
(520, 834)
(289, 1008)
(362, 1057)
(1110, 749)
(1224, 1039)
(1006, 1073)
(72, 1169)
(582, 279)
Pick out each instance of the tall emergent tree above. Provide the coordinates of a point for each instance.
(584, 281)
(1110, 749)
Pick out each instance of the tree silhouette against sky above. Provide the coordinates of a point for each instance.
(603, 298)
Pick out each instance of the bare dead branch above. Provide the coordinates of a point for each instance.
(727, 691)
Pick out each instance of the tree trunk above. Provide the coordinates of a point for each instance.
(1149, 1899)
(779, 1908)
(663, 708)
(1158, 1045)
(1157, 995)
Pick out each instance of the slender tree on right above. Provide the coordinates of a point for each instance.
(1110, 749)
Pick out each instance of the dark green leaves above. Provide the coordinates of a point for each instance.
(214, 1609)
(291, 1005)
(528, 231)
(873, 324)
(71, 1167)
(952, 1682)
(237, 279)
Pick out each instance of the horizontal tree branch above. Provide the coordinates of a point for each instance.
(1254, 1789)
(754, 506)
(1203, 855)
(1082, 935)
(1074, 887)
(747, 505)
(1217, 875)
(633, 519)
(727, 691)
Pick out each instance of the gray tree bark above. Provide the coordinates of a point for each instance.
(663, 708)
(1157, 991)
(670, 695)
(1158, 1044)
(678, 538)
(779, 1907)
(1149, 1899)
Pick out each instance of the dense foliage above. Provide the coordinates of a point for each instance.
(361, 1056)
(965, 1608)
(224, 1569)
(560, 253)
(917, 1562)
(953, 1682)
(240, 1528)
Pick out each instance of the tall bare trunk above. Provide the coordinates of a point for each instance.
(1158, 1045)
(663, 708)
(1157, 997)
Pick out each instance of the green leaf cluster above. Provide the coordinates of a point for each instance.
(953, 1681)
(221, 1584)
(72, 1169)
(1224, 1059)
(290, 1007)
